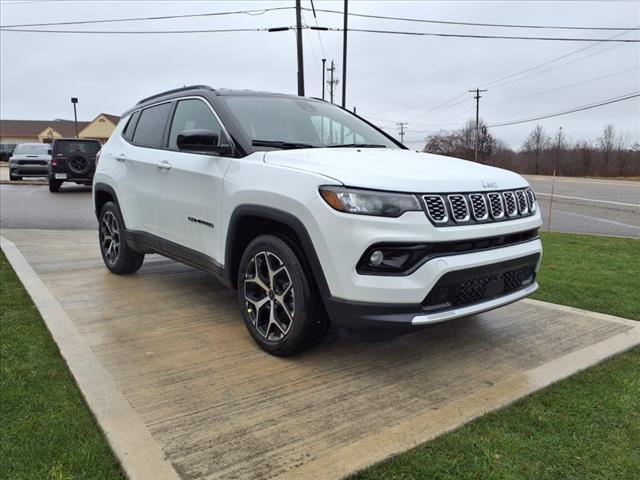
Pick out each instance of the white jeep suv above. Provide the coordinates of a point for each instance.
(312, 213)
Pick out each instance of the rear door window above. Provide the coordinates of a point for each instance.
(150, 129)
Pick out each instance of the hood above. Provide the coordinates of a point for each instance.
(397, 170)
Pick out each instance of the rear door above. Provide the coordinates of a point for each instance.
(191, 183)
(145, 150)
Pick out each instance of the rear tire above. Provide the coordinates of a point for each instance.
(280, 304)
(54, 185)
(118, 257)
(14, 178)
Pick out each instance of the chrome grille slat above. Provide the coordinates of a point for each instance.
(436, 208)
(459, 207)
(495, 205)
(523, 208)
(479, 206)
(510, 205)
(531, 200)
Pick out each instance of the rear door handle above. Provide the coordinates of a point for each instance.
(121, 158)
(163, 165)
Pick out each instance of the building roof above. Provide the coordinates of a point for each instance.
(32, 128)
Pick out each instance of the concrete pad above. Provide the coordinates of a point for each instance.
(167, 349)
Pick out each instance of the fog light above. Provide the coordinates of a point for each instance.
(376, 258)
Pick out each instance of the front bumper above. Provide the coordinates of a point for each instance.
(457, 293)
(29, 170)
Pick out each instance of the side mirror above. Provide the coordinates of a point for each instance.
(201, 141)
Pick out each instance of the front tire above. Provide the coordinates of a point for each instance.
(280, 304)
(14, 178)
(118, 257)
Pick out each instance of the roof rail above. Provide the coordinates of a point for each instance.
(175, 90)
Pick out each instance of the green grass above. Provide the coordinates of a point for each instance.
(586, 427)
(46, 430)
(601, 274)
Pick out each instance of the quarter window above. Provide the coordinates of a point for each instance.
(191, 115)
(150, 129)
(131, 125)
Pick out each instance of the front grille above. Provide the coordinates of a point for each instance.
(476, 285)
(436, 209)
(449, 209)
(495, 205)
(32, 162)
(459, 207)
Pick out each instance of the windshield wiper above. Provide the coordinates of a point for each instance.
(280, 144)
(357, 145)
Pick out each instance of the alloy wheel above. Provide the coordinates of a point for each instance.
(269, 296)
(110, 237)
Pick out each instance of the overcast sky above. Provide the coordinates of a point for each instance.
(390, 78)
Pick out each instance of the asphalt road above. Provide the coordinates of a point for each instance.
(580, 205)
(31, 206)
(607, 207)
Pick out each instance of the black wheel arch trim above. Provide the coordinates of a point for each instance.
(287, 219)
(103, 187)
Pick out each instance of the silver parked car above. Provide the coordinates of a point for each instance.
(30, 160)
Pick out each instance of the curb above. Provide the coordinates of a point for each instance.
(139, 455)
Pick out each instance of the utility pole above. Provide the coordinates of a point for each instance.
(332, 82)
(344, 54)
(477, 97)
(74, 100)
(401, 127)
(299, 43)
(324, 68)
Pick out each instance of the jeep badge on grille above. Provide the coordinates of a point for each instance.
(489, 185)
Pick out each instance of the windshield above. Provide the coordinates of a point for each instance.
(27, 149)
(300, 122)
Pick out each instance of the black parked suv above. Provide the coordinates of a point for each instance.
(73, 160)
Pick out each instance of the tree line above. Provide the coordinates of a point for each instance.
(542, 153)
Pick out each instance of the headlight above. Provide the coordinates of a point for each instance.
(369, 202)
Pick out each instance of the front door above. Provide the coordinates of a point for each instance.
(191, 183)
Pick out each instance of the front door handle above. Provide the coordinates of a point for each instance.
(121, 158)
(163, 165)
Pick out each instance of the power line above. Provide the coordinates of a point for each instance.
(601, 103)
(149, 32)
(573, 52)
(473, 24)
(314, 10)
(493, 83)
(564, 86)
(499, 37)
(141, 19)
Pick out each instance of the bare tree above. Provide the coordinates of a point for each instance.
(607, 144)
(558, 149)
(535, 144)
